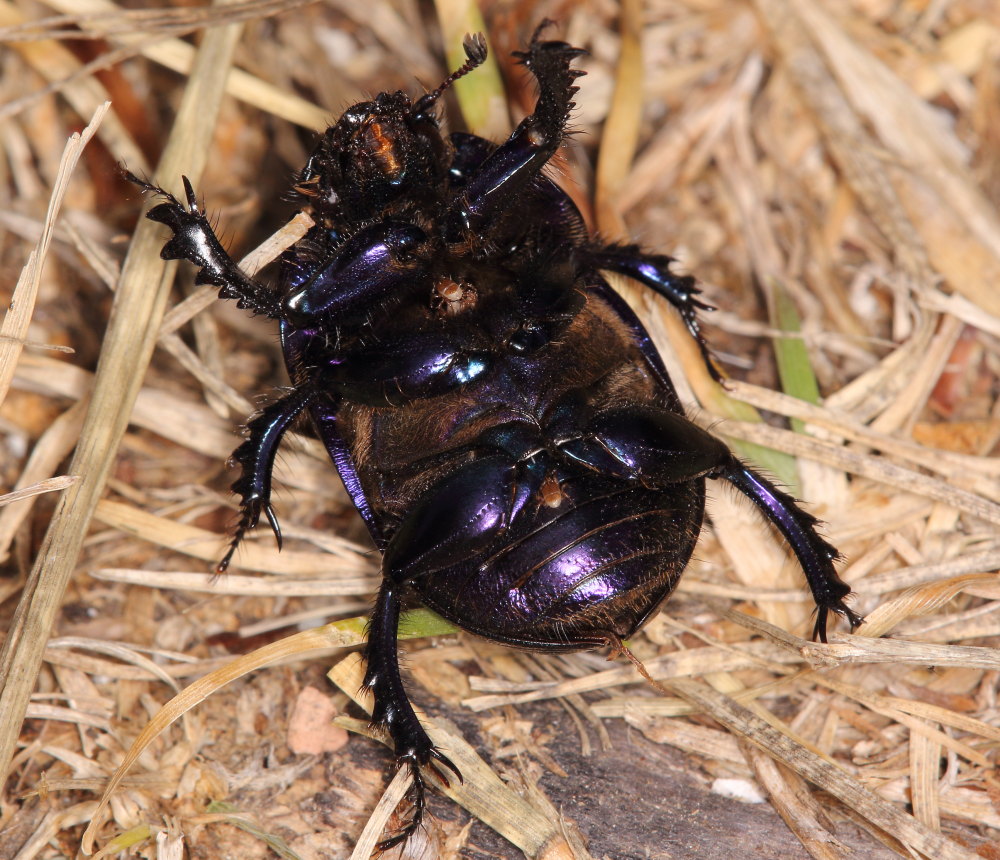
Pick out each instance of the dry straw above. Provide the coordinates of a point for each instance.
(830, 178)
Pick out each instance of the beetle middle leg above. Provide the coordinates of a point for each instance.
(653, 271)
(256, 458)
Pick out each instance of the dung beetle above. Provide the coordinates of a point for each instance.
(497, 413)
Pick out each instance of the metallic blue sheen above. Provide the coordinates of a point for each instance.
(360, 271)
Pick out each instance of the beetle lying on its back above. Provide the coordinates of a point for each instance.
(498, 415)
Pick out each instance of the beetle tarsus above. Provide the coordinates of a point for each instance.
(840, 608)
(653, 271)
(417, 797)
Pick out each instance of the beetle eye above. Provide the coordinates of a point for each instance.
(408, 237)
(357, 114)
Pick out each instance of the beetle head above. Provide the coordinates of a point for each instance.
(375, 153)
(382, 150)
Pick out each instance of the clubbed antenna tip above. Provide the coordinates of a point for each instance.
(476, 52)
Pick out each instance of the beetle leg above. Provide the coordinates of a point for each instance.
(799, 528)
(256, 458)
(658, 448)
(373, 264)
(653, 271)
(451, 522)
(460, 516)
(195, 240)
(509, 169)
(392, 711)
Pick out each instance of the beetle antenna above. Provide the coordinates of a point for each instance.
(475, 52)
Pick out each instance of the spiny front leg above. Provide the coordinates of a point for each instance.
(549, 62)
(256, 459)
(653, 271)
(392, 711)
(511, 168)
(195, 240)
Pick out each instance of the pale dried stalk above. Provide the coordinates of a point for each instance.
(138, 310)
(22, 649)
(821, 772)
(179, 56)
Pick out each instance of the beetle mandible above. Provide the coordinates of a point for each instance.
(497, 413)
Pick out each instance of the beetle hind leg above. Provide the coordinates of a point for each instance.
(393, 713)
(658, 448)
(799, 529)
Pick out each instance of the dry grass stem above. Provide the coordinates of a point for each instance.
(480, 791)
(830, 173)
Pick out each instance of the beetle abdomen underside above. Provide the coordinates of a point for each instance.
(570, 576)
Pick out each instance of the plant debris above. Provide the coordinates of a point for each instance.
(830, 174)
